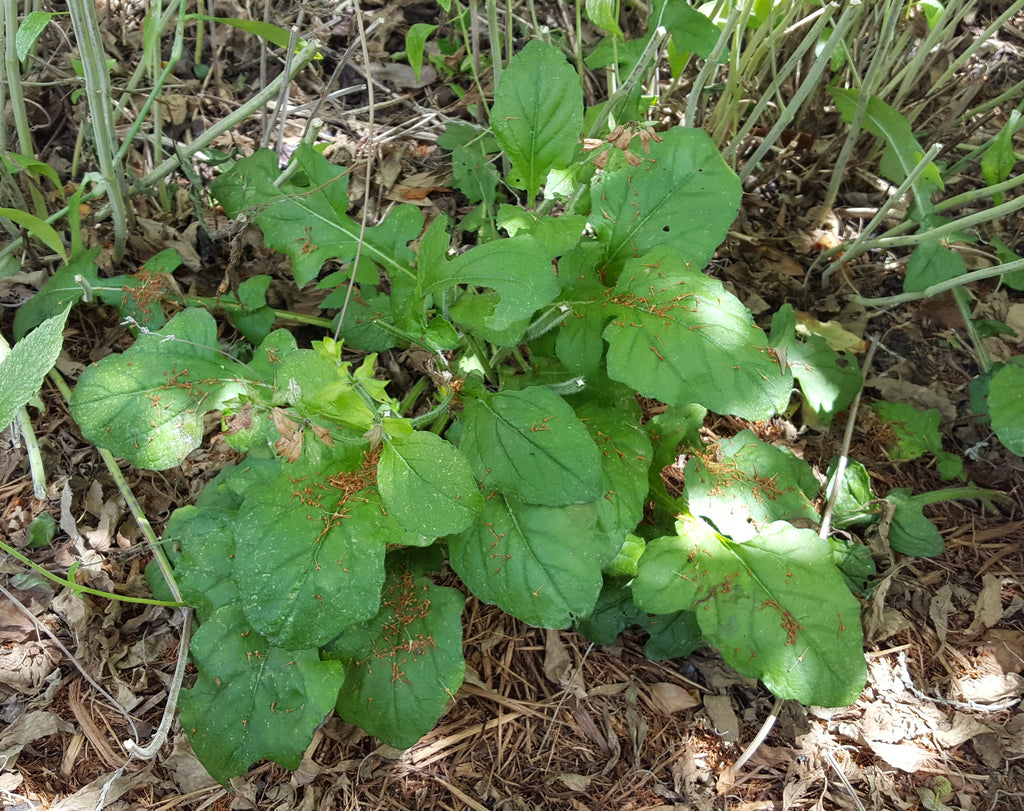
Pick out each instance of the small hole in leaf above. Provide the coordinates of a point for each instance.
(667, 228)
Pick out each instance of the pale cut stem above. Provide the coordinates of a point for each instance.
(824, 17)
(13, 70)
(844, 452)
(978, 41)
(871, 76)
(189, 150)
(860, 244)
(97, 92)
(846, 19)
(941, 287)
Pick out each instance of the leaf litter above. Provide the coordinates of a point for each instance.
(543, 721)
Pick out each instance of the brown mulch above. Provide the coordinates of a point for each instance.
(544, 720)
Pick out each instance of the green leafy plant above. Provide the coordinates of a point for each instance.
(529, 468)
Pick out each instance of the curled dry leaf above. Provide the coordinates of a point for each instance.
(669, 698)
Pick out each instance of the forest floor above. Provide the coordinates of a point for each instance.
(544, 719)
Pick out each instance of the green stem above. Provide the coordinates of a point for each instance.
(232, 304)
(950, 493)
(137, 513)
(35, 458)
(78, 589)
(941, 287)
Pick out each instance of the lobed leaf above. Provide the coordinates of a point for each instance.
(306, 219)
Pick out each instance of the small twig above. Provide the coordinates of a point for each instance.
(842, 777)
(369, 168)
(762, 733)
(851, 421)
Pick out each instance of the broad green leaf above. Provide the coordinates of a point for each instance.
(855, 563)
(253, 700)
(427, 484)
(415, 41)
(15, 162)
(678, 336)
(256, 319)
(604, 14)
(530, 445)
(205, 568)
(910, 531)
(828, 379)
(310, 547)
(917, 433)
(745, 484)
(579, 344)
(517, 269)
(31, 27)
(1006, 407)
(475, 313)
(37, 227)
(625, 457)
(682, 198)
(558, 234)
(776, 607)
(147, 404)
(23, 367)
(672, 635)
(404, 665)
(903, 151)
(541, 564)
(931, 263)
(474, 175)
(690, 30)
(537, 115)
(855, 504)
(306, 218)
(613, 613)
(623, 565)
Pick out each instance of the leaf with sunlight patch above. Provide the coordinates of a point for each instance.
(776, 606)
(147, 404)
(683, 198)
(678, 336)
